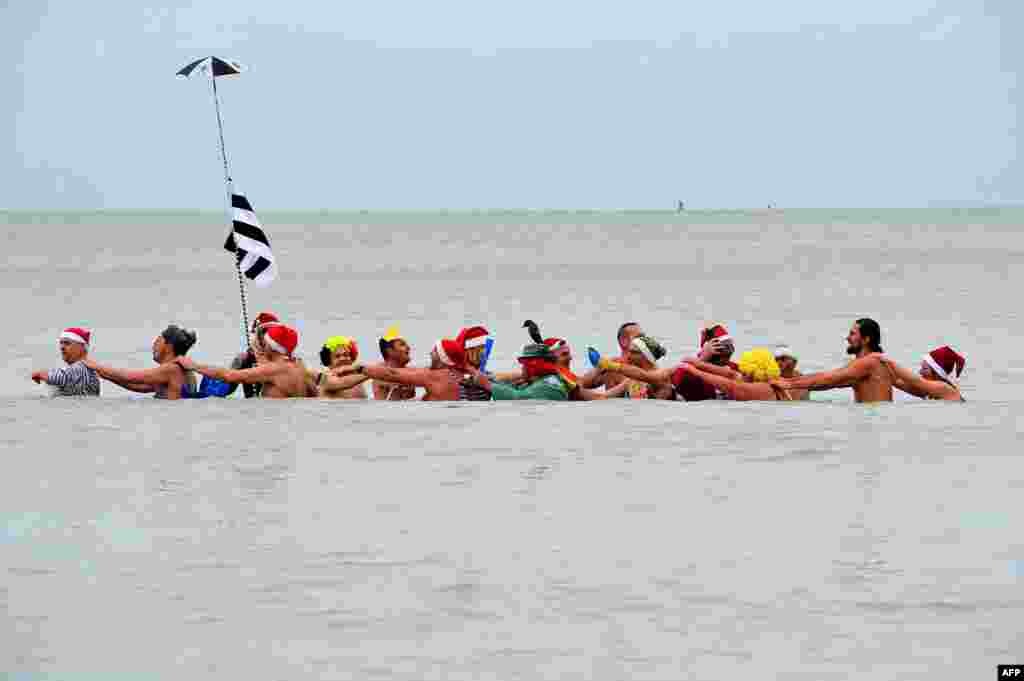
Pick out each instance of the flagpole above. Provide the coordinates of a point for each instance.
(229, 186)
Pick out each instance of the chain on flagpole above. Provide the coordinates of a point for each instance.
(228, 183)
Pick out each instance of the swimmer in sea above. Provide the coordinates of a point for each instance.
(870, 379)
(543, 378)
(610, 379)
(76, 378)
(934, 380)
(249, 358)
(562, 353)
(787, 361)
(338, 352)
(442, 381)
(644, 353)
(281, 374)
(397, 354)
(168, 378)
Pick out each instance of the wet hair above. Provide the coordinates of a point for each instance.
(384, 346)
(325, 356)
(870, 328)
(622, 330)
(181, 340)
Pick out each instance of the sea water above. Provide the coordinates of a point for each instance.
(644, 540)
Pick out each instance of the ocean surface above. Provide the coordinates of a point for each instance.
(619, 540)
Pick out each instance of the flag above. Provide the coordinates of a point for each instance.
(248, 240)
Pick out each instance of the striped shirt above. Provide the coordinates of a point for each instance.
(74, 379)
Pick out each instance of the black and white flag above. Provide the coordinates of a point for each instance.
(248, 240)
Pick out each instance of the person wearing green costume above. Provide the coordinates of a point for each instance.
(543, 378)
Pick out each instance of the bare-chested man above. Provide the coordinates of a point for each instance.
(442, 381)
(281, 374)
(870, 379)
(935, 378)
(610, 379)
(168, 378)
(397, 354)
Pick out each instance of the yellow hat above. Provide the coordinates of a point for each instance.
(759, 364)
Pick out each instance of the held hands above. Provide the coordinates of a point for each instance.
(39, 376)
(90, 363)
(711, 349)
(186, 363)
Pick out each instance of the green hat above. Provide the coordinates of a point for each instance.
(536, 351)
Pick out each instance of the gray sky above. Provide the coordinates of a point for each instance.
(460, 104)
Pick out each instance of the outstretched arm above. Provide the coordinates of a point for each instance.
(709, 368)
(418, 377)
(155, 376)
(738, 390)
(909, 382)
(590, 395)
(825, 380)
(637, 374)
(261, 373)
(333, 381)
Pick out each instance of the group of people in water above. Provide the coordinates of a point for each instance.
(458, 369)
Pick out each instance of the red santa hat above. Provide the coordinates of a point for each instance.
(712, 331)
(264, 318)
(450, 352)
(472, 337)
(76, 334)
(281, 339)
(944, 361)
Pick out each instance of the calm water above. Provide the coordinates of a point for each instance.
(423, 541)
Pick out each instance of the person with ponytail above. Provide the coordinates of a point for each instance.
(167, 380)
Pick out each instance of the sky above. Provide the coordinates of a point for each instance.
(533, 104)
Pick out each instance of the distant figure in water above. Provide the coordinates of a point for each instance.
(167, 379)
(76, 378)
(680, 208)
(870, 379)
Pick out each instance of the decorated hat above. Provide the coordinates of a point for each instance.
(944, 361)
(450, 352)
(281, 339)
(785, 351)
(472, 337)
(333, 343)
(713, 331)
(556, 344)
(759, 364)
(391, 335)
(76, 334)
(648, 347)
(536, 351)
(264, 318)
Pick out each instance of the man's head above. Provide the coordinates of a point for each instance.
(338, 351)
(74, 344)
(865, 334)
(627, 332)
(786, 359)
(536, 360)
(644, 352)
(941, 364)
(474, 343)
(447, 352)
(716, 344)
(279, 339)
(393, 348)
(264, 318)
(174, 341)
